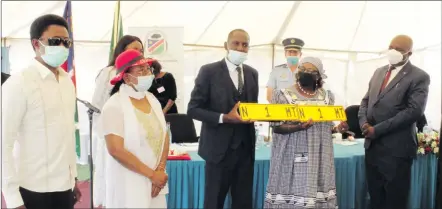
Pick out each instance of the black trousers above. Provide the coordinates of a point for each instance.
(47, 200)
(389, 182)
(234, 172)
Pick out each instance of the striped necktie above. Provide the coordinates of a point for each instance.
(240, 80)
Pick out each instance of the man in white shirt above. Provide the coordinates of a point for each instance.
(38, 108)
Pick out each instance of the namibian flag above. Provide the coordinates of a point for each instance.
(117, 30)
(69, 67)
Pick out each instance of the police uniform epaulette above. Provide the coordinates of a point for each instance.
(282, 65)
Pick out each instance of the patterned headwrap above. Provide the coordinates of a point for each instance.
(315, 62)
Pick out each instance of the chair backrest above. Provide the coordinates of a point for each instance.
(353, 120)
(182, 128)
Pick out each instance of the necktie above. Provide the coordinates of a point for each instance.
(387, 77)
(240, 80)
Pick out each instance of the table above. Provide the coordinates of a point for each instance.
(186, 179)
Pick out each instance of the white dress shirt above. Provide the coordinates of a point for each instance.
(395, 72)
(38, 111)
(234, 76)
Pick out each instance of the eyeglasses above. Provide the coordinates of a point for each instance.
(56, 41)
(310, 70)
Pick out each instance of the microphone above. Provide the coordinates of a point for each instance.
(89, 105)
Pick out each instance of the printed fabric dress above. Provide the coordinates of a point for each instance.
(302, 171)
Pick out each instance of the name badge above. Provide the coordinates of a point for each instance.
(161, 89)
(301, 158)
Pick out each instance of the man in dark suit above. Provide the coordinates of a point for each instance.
(396, 99)
(4, 77)
(227, 143)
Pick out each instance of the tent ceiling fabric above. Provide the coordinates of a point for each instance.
(345, 25)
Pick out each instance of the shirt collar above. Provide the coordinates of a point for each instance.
(45, 72)
(231, 66)
(398, 68)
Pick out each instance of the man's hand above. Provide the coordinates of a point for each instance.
(342, 127)
(368, 131)
(77, 194)
(234, 117)
(155, 190)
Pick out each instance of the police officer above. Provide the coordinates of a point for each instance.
(282, 76)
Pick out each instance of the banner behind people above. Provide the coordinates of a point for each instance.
(166, 45)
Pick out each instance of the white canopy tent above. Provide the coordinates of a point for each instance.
(347, 35)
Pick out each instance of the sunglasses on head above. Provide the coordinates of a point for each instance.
(56, 41)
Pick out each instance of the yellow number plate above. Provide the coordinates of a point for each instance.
(278, 112)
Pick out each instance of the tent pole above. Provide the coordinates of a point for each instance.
(364, 7)
(211, 22)
(286, 22)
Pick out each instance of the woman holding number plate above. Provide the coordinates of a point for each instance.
(302, 172)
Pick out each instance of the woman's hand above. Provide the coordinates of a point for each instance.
(306, 125)
(155, 191)
(159, 178)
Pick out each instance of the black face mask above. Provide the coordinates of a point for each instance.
(308, 80)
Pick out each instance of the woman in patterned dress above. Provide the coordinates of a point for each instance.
(302, 172)
(136, 138)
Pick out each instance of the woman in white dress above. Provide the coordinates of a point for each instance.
(137, 142)
(100, 96)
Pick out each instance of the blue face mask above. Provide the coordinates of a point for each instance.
(55, 56)
(236, 57)
(144, 82)
(292, 60)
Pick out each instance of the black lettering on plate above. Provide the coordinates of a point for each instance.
(338, 113)
(267, 111)
(244, 112)
(320, 113)
(288, 112)
(301, 113)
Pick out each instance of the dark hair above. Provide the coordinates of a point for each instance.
(156, 67)
(42, 23)
(116, 87)
(121, 46)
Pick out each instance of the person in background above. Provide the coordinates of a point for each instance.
(302, 162)
(136, 138)
(164, 88)
(396, 98)
(227, 142)
(99, 98)
(38, 109)
(5, 77)
(282, 76)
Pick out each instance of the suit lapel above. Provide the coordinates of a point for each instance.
(401, 74)
(378, 83)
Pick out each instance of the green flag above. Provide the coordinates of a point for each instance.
(117, 30)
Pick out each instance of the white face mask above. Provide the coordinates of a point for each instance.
(394, 56)
(144, 82)
(54, 56)
(236, 57)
